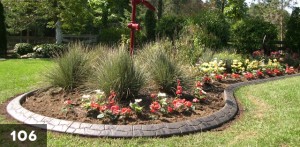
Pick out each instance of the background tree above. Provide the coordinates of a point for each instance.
(150, 24)
(293, 31)
(160, 9)
(3, 40)
(235, 10)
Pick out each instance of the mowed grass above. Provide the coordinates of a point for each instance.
(270, 116)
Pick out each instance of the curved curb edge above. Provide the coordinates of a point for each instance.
(227, 113)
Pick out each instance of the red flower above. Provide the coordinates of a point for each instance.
(153, 95)
(269, 72)
(170, 109)
(218, 77)
(125, 111)
(115, 109)
(68, 102)
(249, 76)
(112, 102)
(235, 76)
(155, 106)
(259, 73)
(178, 92)
(198, 84)
(188, 104)
(177, 103)
(206, 79)
(94, 105)
(277, 72)
(289, 70)
(103, 108)
(195, 100)
(152, 110)
(112, 95)
(225, 75)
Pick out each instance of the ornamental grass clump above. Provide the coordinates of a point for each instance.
(71, 69)
(117, 72)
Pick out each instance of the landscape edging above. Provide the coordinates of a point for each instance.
(227, 113)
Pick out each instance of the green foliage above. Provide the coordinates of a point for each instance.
(112, 35)
(3, 39)
(169, 26)
(293, 31)
(116, 71)
(72, 68)
(161, 69)
(49, 50)
(23, 48)
(150, 24)
(160, 9)
(248, 34)
(235, 9)
(210, 29)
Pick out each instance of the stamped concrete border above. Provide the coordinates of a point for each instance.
(227, 113)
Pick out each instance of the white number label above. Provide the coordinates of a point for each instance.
(22, 135)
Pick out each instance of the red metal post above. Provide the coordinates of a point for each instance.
(133, 2)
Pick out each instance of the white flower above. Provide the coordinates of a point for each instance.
(86, 96)
(138, 100)
(203, 91)
(162, 94)
(98, 91)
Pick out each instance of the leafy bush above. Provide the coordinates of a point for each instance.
(23, 48)
(116, 72)
(71, 69)
(209, 28)
(293, 31)
(112, 35)
(248, 34)
(169, 26)
(49, 50)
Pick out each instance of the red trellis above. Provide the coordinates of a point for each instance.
(133, 25)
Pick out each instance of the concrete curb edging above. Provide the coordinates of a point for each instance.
(227, 113)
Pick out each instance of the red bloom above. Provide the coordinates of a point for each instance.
(235, 76)
(179, 88)
(103, 108)
(249, 76)
(152, 110)
(195, 100)
(225, 75)
(269, 72)
(178, 92)
(277, 72)
(94, 105)
(125, 111)
(259, 73)
(198, 84)
(155, 106)
(170, 109)
(177, 103)
(188, 104)
(289, 70)
(218, 77)
(206, 79)
(68, 102)
(112, 95)
(153, 95)
(115, 109)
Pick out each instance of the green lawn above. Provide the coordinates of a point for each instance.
(271, 113)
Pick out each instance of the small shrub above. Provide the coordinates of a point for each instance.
(23, 48)
(116, 72)
(169, 26)
(49, 50)
(71, 69)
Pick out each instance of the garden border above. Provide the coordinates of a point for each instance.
(227, 113)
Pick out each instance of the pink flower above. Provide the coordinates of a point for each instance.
(198, 84)
(125, 111)
(177, 103)
(115, 109)
(235, 76)
(277, 72)
(188, 104)
(103, 108)
(170, 109)
(68, 102)
(249, 76)
(153, 95)
(155, 106)
(195, 100)
(94, 105)
(178, 92)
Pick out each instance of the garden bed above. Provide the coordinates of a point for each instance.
(50, 102)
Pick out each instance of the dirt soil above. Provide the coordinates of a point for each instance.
(50, 102)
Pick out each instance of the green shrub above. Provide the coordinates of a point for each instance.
(49, 50)
(209, 28)
(3, 39)
(71, 69)
(169, 26)
(293, 31)
(150, 24)
(117, 72)
(112, 35)
(23, 48)
(248, 34)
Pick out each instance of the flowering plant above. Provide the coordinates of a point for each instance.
(68, 106)
(199, 93)
(136, 107)
(215, 66)
(237, 66)
(249, 76)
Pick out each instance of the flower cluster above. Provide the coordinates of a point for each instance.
(214, 66)
(199, 93)
(237, 66)
(68, 106)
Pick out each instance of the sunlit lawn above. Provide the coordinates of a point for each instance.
(270, 117)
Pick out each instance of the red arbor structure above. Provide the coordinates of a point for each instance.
(134, 26)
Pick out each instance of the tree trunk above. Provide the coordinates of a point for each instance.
(58, 32)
